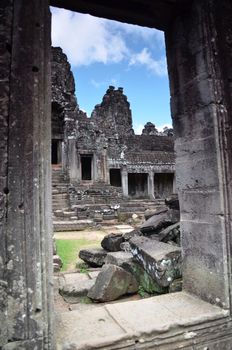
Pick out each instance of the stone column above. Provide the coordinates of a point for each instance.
(63, 157)
(199, 54)
(94, 168)
(124, 175)
(150, 184)
(72, 160)
(26, 300)
(104, 165)
(174, 182)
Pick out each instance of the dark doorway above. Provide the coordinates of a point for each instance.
(55, 152)
(115, 177)
(86, 167)
(137, 185)
(163, 184)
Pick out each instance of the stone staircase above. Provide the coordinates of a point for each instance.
(97, 193)
(138, 206)
(85, 206)
(60, 183)
(63, 216)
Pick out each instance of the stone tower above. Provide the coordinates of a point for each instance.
(113, 115)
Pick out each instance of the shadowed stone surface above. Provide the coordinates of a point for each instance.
(160, 221)
(93, 257)
(173, 202)
(74, 293)
(162, 261)
(134, 233)
(176, 286)
(149, 213)
(148, 323)
(171, 233)
(145, 281)
(118, 258)
(112, 242)
(111, 283)
(57, 263)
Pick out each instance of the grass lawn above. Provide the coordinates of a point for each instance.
(68, 250)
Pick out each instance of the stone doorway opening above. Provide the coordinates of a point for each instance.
(163, 184)
(57, 124)
(86, 167)
(115, 177)
(137, 185)
(198, 37)
(56, 151)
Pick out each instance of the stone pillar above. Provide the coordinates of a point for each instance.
(150, 185)
(104, 165)
(174, 183)
(124, 175)
(72, 160)
(199, 54)
(26, 300)
(63, 157)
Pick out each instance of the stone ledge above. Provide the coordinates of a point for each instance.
(175, 319)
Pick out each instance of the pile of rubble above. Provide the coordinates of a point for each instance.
(146, 260)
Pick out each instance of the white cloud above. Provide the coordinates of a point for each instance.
(148, 34)
(138, 129)
(106, 83)
(158, 67)
(87, 39)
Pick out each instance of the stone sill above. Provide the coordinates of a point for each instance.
(170, 321)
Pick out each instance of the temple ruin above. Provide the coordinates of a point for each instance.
(103, 149)
(199, 49)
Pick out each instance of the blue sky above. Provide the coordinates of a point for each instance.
(103, 52)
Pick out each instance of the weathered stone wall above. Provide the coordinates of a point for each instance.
(64, 111)
(63, 90)
(199, 50)
(197, 45)
(113, 116)
(6, 18)
(25, 253)
(109, 136)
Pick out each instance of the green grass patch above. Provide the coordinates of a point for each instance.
(68, 250)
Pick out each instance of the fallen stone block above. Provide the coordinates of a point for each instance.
(162, 261)
(149, 213)
(56, 267)
(176, 286)
(118, 258)
(154, 237)
(125, 246)
(171, 233)
(144, 280)
(57, 263)
(112, 242)
(173, 202)
(134, 233)
(75, 225)
(158, 222)
(94, 274)
(111, 283)
(73, 293)
(93, 257)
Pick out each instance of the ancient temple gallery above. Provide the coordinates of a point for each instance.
(103, 148)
